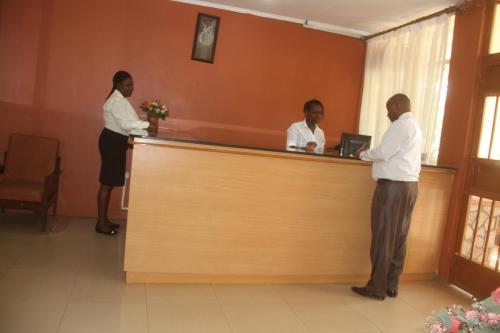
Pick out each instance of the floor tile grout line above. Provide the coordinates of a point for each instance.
(348, 306)
(403, 299)
(222, 308)
(67, 305)
(147, 305)
(380, 329)
(410, 304)
(291, 308)
(415, 312)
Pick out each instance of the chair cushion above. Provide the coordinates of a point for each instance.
(21, 190)
(30, 158)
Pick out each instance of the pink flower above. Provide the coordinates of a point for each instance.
(471, 314)
(493, 316)
(438, 328)
(496, 295)
(455, 325)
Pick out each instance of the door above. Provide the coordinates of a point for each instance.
(476, 266)
(476, 262)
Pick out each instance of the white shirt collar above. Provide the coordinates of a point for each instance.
(117, 93)
(304, 124)
(406, 115)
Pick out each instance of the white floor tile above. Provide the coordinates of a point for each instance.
(189, 317)
(174, 294)
(104, 318)
(72, 278)
(112, 289)
(38, 286)
(257, 308)
(30, 316)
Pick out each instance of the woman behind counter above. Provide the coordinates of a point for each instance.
(120, 119)
(306, 135)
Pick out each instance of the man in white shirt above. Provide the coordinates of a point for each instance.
(306, 135)
(396, 168)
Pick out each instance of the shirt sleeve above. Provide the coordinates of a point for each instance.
(320, 149)
(119, 112)
(291, 138)
(388, 147)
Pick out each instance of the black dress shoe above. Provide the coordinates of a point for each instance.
(366, 293)
(392, 293)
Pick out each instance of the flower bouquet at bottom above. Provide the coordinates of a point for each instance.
(484, 317)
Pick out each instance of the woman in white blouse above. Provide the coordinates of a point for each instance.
(306, 136)
(120, 119)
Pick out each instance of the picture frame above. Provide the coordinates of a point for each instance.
(205, 38)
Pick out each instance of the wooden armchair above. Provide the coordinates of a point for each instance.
(30, 178)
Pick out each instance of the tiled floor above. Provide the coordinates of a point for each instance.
(70, 280)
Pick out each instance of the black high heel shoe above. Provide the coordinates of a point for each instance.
(109, 232)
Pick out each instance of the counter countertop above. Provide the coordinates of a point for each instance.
(164, 139)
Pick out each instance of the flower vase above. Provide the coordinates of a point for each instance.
(153, 126)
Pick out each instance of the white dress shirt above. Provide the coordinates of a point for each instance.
(298, 135)
(398, 157)
(120, 116)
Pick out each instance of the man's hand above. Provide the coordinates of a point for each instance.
(310, 147)
(359, 151)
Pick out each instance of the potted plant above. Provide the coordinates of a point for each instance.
(483, 317)
(154, 110)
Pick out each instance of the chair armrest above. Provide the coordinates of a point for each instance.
(51, 183)
(51, 178)
(2, 166)
(55, 174)
(57, 171)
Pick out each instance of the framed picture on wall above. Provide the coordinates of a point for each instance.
(205, 38)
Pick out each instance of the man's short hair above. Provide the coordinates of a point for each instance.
(400, 98)
(310, 104)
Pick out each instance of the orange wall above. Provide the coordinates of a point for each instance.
(459, 116)
(57, 58)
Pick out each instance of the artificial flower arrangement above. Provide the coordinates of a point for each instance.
(154, 109)
(484, 317)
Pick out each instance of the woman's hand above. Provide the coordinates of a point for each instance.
(310, 147)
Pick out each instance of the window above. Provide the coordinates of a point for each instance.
(481, 238)
(495, 32)
(489, 139)
(413, 60)
(443, 91)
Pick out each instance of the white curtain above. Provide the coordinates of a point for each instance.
(410, 60)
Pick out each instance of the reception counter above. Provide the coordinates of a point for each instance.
(208, 213)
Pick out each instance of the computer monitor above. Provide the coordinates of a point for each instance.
(349, 143)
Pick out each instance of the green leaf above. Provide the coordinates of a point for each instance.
(444, 317)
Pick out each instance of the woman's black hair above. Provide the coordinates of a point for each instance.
(119, 77)
(310, 104)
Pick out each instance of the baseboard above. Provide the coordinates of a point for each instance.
(148, 277)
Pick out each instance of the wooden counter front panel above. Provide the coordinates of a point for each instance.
(215, 213)
(429, 222)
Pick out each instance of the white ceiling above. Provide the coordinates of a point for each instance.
(355, 17)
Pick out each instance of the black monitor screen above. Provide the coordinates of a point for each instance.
(349, 143)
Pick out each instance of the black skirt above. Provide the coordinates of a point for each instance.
(113, 150)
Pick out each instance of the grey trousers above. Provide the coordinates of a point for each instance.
(392, 207)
